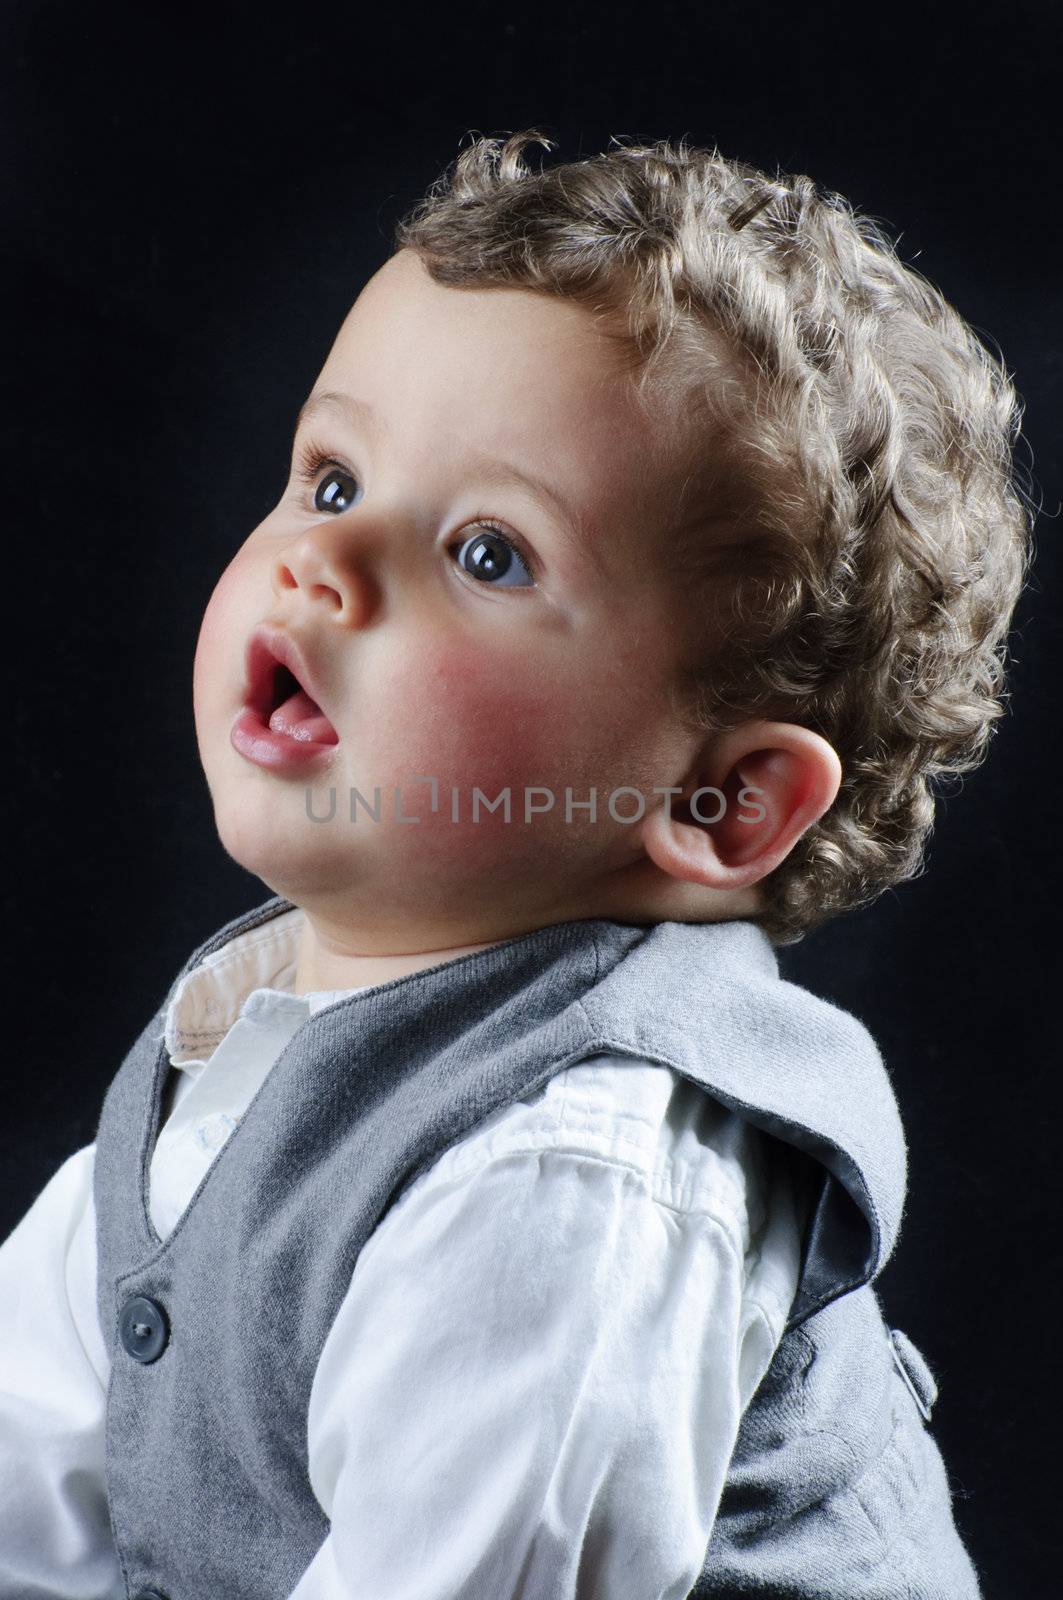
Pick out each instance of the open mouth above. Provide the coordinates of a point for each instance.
(287, 708)
(280, 701)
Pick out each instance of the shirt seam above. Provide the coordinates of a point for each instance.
(581, 1121)
(757, 1305)
(726, 1220)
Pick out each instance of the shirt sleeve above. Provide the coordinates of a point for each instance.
(532, 1388)
(55, 1535)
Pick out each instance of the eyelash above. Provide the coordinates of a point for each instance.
(312, 458)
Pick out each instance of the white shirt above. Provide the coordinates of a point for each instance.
(535, 1381)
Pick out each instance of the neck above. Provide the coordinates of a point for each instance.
(325, 962)
(335, 955)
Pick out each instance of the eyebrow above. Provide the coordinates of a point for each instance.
(497, 474)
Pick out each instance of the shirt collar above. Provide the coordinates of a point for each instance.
(208, 999)
(211, 997)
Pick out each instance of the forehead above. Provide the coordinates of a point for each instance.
(525, 332)
(510, 373)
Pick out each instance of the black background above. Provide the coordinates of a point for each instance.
(192, 200)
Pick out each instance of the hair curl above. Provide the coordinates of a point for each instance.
(855, 426)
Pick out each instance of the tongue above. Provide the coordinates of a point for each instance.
(302, 718)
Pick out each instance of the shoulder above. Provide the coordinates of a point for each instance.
(679, 1148)
(617, 1147)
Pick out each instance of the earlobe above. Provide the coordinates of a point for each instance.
(755, 791)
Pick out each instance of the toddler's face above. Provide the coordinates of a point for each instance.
(536, 653)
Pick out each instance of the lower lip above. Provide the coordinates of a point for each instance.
(255, 739)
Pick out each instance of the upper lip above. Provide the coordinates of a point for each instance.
(268, 648)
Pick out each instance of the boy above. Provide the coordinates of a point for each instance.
(482, 1214)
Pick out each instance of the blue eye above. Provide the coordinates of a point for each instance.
(329, 494)
(332, 494)
(494, 558)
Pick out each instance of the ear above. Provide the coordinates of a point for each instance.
(762, 786)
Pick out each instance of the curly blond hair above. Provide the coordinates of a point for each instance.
(858, 432)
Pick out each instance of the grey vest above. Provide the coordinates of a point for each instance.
(836, 1487)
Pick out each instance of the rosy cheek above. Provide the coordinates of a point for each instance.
(473, 723)
(479, 719)
(218, 660)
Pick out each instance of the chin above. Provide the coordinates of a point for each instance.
(284, 852)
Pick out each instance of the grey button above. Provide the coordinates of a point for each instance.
(143, 1330)
(911, 1365)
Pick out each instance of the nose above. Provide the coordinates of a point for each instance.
(333, 567)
